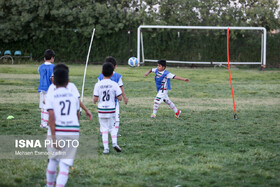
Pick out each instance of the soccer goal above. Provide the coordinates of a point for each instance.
(201, 44)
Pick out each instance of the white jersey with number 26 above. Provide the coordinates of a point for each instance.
(107, 90)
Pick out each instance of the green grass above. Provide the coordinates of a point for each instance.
(204, 147)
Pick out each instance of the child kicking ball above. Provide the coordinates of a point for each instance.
(162, 79)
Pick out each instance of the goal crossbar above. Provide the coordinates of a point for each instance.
(140, 41)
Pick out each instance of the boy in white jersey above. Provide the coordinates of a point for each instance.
(118, 79)
(63, 108)
(72, 87)
(162, 79)
(106, 91)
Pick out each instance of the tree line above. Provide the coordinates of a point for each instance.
(66, 26)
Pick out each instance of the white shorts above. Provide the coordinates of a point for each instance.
(67, 153)
(106, 124)
(161, 96)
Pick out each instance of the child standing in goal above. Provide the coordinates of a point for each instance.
(63, 107)
(118, 79)
(162, 79)
(106, 91)
(45, 70)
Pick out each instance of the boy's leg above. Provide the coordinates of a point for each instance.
(44, 113)
(51, 172)
(172, 106)
(44, 118)
(62, 175)
(113, 130)
(104, 128)
(158, 99)
(117, 118)
(114, 135)
(170, 103)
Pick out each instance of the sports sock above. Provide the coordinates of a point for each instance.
(114, 132)
(155, 109)
(105, 139)
(62, 175)
(117, 124)
(171, 105)
(51, 172)
(44, 118)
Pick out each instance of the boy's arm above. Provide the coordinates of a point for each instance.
(88, 114)
(180, 78)
(148, 72)
(52, 127)
(125, 99)
(78, 115)
(95, 99)
(119, 97)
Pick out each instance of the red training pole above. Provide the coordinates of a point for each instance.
(235, 114)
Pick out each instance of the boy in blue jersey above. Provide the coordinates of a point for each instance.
(45, 71)
(162, 79)
(118, 79)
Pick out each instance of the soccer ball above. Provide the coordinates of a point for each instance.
(132, 62)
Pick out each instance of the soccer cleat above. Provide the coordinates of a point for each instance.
(177, 114)
(106, 151)
(117, 148)
(153, 115)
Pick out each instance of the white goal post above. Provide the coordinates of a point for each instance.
(140, 45)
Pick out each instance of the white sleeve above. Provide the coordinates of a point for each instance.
(95, 90)
(51, 89)
(154, 70)
(78, 104)
(74, 90)
(120, 83)
(118, 91)
(170, 76)
(49, 101)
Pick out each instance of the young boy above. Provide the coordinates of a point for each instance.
(162, 79)
(118, 79)
(106, 91)
(45, 71)
(63, 108)
(73, 89)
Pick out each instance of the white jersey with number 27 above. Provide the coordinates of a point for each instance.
(65, 106)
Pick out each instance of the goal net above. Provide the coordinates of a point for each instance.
(201, 44)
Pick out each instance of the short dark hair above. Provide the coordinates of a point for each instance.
(49, 54)
(107, 69)
(111, 60)
(59, 66)
(61, 75)
(162, 62)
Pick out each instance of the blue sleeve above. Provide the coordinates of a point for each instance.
(100, 77)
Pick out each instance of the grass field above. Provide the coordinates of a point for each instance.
(204, 147)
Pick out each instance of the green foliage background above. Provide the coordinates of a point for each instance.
(66, 27)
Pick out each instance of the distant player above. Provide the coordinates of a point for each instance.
(118, 79)
(72, 87)
(63, 108)
(106, 91)
(45, 71)
(162, 79)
